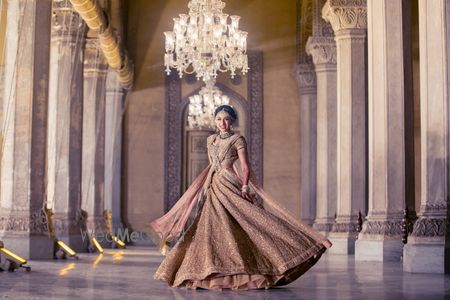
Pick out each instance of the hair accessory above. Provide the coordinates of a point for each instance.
(228, 109)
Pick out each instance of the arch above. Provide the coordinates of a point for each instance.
(175, 105)
(243, 103)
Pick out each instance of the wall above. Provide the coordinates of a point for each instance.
(272, 29)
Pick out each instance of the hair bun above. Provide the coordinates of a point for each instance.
(228, 109)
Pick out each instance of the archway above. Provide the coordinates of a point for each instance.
(174, 126)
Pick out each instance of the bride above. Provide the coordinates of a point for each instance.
(229, 233)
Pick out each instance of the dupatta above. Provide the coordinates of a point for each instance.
(170, 226)
(177, 220)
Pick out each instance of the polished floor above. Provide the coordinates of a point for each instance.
(127, 274)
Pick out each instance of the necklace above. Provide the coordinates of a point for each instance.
(225, 135)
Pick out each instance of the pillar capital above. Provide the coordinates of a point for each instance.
(306, 78)
(95, 63)
(67, 25)
(322, 50)
(345, 14)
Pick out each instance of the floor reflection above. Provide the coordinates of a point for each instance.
(128, 274)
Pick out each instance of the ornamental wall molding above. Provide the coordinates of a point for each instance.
(173, 144)
(255, 101)
(430, 227)
(173, 127)
(322, 50)
(345, 14)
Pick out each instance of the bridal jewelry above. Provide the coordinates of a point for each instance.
(225, 135)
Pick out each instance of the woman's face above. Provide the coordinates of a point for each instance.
(223, 121)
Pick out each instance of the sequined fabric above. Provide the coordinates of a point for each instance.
(235, 244)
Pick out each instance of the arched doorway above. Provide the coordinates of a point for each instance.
(175, 128)
(195, 157)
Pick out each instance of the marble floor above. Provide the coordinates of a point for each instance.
(127, 274)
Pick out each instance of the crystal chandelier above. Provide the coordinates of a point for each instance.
(205, 42)
(201, 106)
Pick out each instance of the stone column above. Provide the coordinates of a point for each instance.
(22, 216)
(4, 9)
(323, 51)
(93, 150)
(65, 122)
(115, 96)
(381, 236)
(349, 21)
(2, 92)
(8, 107)
(426, 249)
(307, 88)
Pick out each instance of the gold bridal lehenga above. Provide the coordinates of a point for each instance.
(227, 242)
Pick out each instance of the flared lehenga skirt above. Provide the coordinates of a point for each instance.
(235, 244)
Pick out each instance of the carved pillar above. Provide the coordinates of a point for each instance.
(323, 51)
(307, 89)
(2, 59)
(2, 92)
(93, 150)
(322, 47)
(65, 122)
(115, 97)
(381, 236)
(349, 21)
(9, 102)
(22, 218)
(2, 75)
(426, 250)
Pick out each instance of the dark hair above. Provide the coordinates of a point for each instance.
(228, 109)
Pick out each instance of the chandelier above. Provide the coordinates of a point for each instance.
(206, 41)
(201, 106)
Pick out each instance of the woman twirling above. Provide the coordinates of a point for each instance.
(230, 234)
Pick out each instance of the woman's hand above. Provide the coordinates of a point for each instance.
(245, 193)
(246, 196)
